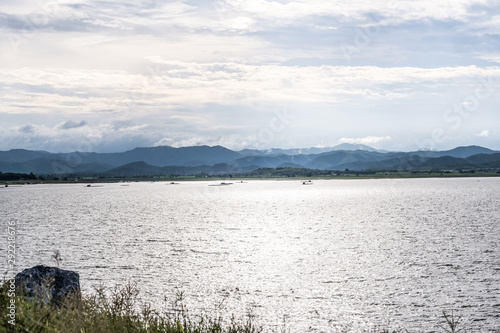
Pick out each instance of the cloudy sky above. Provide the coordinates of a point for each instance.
(79, 75)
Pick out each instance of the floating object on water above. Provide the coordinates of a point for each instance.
(222, 184)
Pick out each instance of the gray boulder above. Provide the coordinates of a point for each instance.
(49, 284)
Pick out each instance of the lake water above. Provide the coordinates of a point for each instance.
(337, 253)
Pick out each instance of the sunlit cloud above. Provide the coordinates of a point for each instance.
(184, 72)
(366, 140)
(194, 85)
(485, 134)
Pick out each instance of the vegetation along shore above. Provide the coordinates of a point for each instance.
(120, 310)
(262, 173)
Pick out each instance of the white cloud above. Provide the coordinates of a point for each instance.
(233, 141)
(485, 133)
(164, 142)
(70, 124)
(372, 12)
(491, 57)
(96, 136)
(241, 15)
(487, 25)
(190, 119)
(366, 140)
(190, 71)
(187, 85)
(27, 129)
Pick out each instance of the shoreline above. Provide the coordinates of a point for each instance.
(120, 308)
(215, 178)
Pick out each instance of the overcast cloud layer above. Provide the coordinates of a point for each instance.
(113, 75)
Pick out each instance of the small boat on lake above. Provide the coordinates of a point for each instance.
(222, 184)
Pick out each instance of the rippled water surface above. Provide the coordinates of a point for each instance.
(329, 255)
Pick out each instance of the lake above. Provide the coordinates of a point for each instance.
(337, 253)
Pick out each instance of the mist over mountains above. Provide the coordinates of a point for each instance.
(165, 160)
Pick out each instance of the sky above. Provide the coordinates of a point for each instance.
(108, 76)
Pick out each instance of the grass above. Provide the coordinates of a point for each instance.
(107, 311)
(119, 310)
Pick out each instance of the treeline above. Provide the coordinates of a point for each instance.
(10, 176)
(281, 172)
(303, 172)
(306, 173)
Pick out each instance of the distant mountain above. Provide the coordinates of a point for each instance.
(332, 160)
(166, 160)
(51, 166)
(464, 152)
(279, 151)
(408, 161)
(165, 156)
(137, 169)
(445, 162)
(23, 155)
(353, 146)
(306, 151)
(484, 158)
(272, 161)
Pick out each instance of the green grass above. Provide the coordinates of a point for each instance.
(119, 310)
(107, 311)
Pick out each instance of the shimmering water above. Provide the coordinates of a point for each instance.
(337, 253)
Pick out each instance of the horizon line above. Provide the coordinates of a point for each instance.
(258, 149)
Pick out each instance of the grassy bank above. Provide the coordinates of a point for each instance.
(104, 311)
(119, 310)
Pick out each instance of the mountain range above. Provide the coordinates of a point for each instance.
(165, 160)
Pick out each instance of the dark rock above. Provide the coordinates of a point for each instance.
(49, 284)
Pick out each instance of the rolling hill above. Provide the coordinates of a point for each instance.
(166, 160)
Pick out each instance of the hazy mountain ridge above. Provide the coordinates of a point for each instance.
(136, 169)
(307, 151)
(164, 156)
(219, 160)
